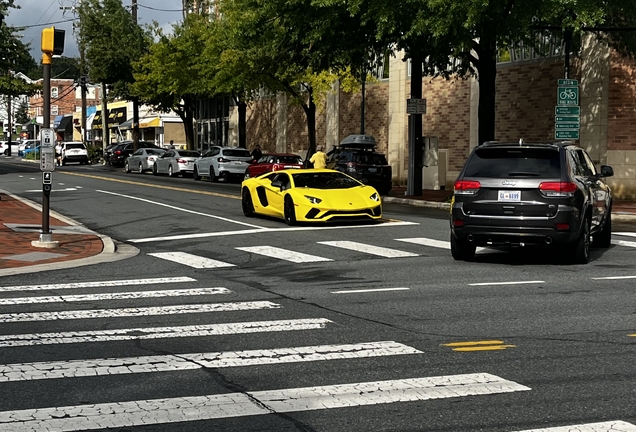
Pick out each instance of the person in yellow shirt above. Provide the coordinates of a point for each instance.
(319, 159)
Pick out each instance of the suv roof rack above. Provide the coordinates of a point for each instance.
(358, 141)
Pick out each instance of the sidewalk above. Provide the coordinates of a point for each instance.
(21, 220)
(20, 224)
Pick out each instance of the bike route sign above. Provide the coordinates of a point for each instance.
(568, 95)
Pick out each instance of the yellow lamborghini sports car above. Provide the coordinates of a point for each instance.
(310, 195)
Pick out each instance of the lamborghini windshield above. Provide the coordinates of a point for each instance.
(324, 180)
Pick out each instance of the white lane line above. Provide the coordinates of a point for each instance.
(207, 407)
(627, 234)
(144, 333)
(114, 283)
(506, 283)
(114, 296)
(611, 426)
(265, 230)
(283, 254)
(191, 260)
(137, 312)
(369, 249)
(368, 290)
(623, 243)
(177, 362)
(614, 278)
(431, 243)
(180, 209)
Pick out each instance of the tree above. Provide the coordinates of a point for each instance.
(22, 113)
(173, 74)
(112, 41)
(289, 46)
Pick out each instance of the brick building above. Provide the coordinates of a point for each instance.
(525, 108)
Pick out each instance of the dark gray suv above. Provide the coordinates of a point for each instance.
(518, 194)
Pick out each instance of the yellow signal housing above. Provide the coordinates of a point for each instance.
(48, 40)
(52, 41)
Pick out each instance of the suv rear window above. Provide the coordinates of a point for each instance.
(236, 152)
(289, 159)
(75, 146)
(514, 162)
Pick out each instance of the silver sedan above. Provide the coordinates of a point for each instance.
(174, 162)
(143, 159)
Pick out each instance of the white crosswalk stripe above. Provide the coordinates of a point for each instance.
(175, 362)
(144, 333)
(611, 426)
(115, 296)
(137, 312)
(99, 284)
(283, 254)
(172, 410)
(426, 242)
(365, 248)
(191, 260)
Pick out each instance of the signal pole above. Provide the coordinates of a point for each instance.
(135, 100)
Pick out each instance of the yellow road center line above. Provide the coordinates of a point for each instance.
(216, 194)
(474, 343)
(632, 335)
(484, 348)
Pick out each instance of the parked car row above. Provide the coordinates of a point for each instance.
(355, 156)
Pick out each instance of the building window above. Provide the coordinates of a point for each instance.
(54, 110)
(54, 92)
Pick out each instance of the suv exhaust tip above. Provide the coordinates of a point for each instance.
(470, 238)
(548, 240)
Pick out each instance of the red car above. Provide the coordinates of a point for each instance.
(273, 162)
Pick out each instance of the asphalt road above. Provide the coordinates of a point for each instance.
(369, 327)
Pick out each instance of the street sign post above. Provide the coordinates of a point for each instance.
(568, 95)
(568, 82)
(567, 126)
(416, 106)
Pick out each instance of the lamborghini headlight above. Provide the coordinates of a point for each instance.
(313, 200)
(375, 197)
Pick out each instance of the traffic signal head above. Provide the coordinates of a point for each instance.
(52, 41)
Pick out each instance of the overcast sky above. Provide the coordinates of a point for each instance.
(38, 14)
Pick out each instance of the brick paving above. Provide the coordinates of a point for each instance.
(17, 245)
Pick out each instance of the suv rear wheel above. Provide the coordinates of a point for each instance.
(461, 250)
(581, 249)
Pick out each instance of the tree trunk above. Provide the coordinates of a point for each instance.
(186, 113)
(487, 70)
(242, 123)
(135, 131)
(310, 112)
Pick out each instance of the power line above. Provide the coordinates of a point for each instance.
(160, 10)
(45, 24)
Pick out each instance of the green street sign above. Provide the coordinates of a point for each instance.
(568, 96)
(567, 119)
(568, 126)
(566, 134)
(568, 82)
(567, 110)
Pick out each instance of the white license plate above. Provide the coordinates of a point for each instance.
(373, 170)
(238, 162)
(509, 196)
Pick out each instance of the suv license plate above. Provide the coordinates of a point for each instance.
(509, 196)
(373, 170)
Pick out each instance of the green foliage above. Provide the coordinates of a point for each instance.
(112, 41)
(22, 113)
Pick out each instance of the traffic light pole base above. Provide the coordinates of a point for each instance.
(46, 241)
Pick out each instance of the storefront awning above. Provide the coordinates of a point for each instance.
(127, 125)
(64, 122)
(150, 122)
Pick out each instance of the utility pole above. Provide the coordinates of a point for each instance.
(135, 99)
(82, 78)
(9, 125)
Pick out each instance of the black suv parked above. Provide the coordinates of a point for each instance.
(356, 156)
(521, 194)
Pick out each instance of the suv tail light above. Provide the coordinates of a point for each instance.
(467, 187)
(557, 189)
(118, 152)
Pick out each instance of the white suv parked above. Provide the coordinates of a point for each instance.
(224, 162)
(74, 151)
